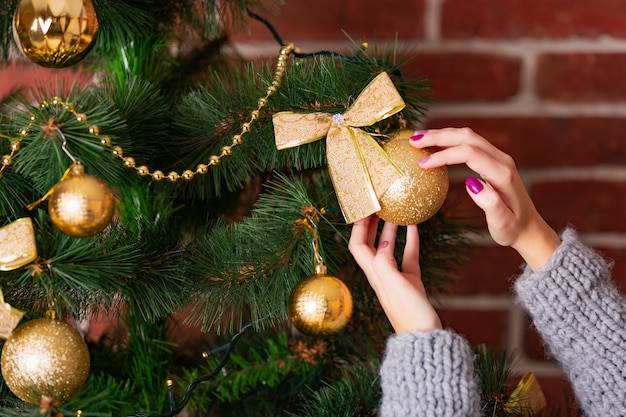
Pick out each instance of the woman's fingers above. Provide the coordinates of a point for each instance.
(359, 244)
(498, 170)
(402, 294)
(502, 222)
(388, 237)
(464, 146)
(410, 258)
(372, 230)
(451, 137)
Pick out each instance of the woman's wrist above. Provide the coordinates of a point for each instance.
(420, 320)
(537, 245)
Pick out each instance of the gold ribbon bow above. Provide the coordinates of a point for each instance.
(18, 246)
(359, 168)
(527, 398)
(9, 317)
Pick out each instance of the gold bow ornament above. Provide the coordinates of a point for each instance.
(17, 244)
(360, 169)
(527, 398)
(9, 317)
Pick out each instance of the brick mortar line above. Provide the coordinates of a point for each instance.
(525, 105)
(516, 46)
(524, 364)
(515, 330)
(604, 173)
(432, 20)
(509, 47)
(528, 76)
(474, 302)
(603, 240)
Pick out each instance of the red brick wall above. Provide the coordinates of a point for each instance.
(22, 74)
(542, 79)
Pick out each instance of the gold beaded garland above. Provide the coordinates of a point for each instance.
(143, 170)
(419, 193)
(173, 176)
(129, 162)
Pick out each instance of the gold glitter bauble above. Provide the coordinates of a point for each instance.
(81, 205)
(419, 193)
(45, 357)
(320, 305)
(55, 33)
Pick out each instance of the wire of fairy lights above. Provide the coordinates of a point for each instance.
(175, 409)
(309, 221)
(202, 168)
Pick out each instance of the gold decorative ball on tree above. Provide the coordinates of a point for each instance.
(55, 33)
(45, 357)
(320, 305)
(420, 192)
(81, 205)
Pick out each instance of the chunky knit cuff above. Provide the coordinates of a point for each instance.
(429, 374)
(582, 318)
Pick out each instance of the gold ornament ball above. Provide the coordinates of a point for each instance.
(45, 357)
(320, 305)
(55, 33)
(419, 193)
(81, 205)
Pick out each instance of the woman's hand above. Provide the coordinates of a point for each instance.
(512, 218)
(400, 292)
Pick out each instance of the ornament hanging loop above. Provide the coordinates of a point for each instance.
(64, 147)
(51, 311)
(319, 305)
(311, 224)
(75, 169)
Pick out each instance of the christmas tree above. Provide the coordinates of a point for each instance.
(194, 216)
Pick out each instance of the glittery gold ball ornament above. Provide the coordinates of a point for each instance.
(55, 33)
(320, 305)
(81, 205)
(419, 193)
(45, 357)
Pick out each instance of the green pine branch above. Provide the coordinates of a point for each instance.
(356, 394)
(7, 9)
(41, 158)
(228, 242)
(255, 262)
(261, 367)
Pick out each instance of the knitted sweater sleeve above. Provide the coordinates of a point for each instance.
(581, 316)
(428, 374)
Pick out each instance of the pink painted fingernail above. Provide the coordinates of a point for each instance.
(382, 245)
(417, 135)
(474, 185)
(423, 160)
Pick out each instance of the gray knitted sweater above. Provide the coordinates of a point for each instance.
(576, 309)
